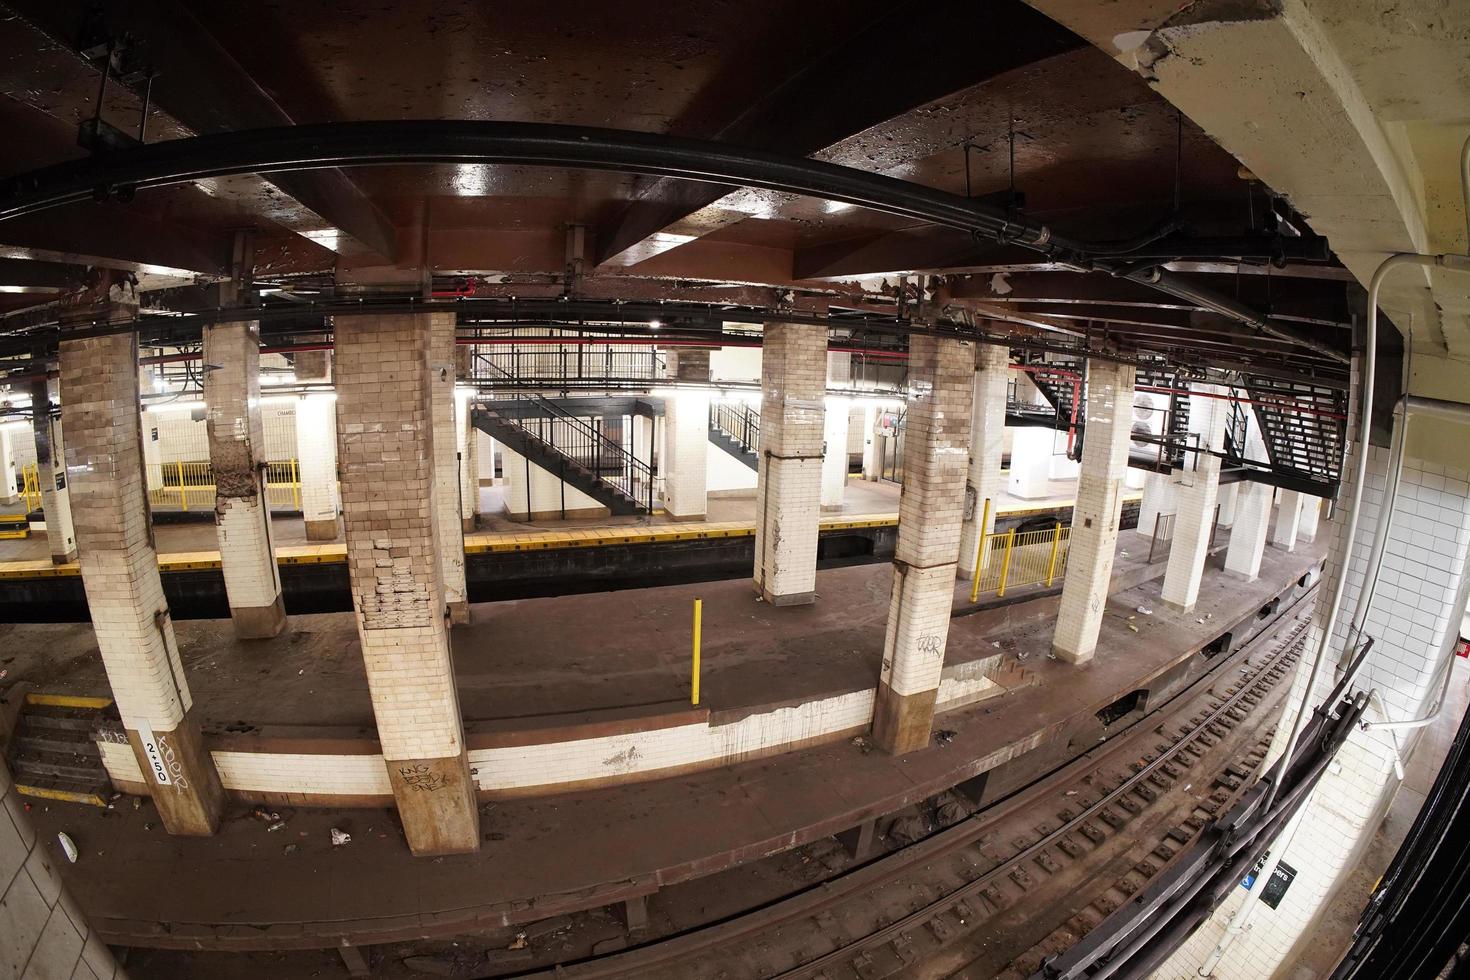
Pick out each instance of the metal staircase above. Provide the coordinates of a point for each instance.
(736, 428)
(578, 453)
(1304, 426)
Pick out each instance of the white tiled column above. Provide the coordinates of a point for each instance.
(1031, 451)
(834, 433)
(1095, 516)
(51, 474)
(1306, 529)
(931, 508)
(1160, 499)
(8, 494)
(834, 453)
(872, 446)
(1412, 611)
(1288, 518)
(442, 374)
(46, 934)
(1195, 496)
(469, 462)
(1248, 533)
(1227, 503)
(236, 455)
(135, 635)
(386, 437)
(987, 441)
(316, 465)
(686, 438)
(788, 496)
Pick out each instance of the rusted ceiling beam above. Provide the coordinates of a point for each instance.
(206, 90)
(902, 60)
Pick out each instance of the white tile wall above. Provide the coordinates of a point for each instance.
(834, 449)
(683, 463)
(316, 454)
(1031, 451)
(1248, 533)
(1426, 556)
(1160, 497)
(1288, 519)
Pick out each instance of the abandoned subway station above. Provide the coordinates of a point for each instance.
(735, 490)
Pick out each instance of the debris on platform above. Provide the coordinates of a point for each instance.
(340, 837)
(1145, 610)
(519, 942)
(944, 736)
(68, 846)
(1133, 628)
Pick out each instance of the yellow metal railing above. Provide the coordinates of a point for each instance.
(30, 486)
(189, 485)
(1008, 560)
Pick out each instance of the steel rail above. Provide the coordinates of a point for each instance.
(120, 174)
(641, 960)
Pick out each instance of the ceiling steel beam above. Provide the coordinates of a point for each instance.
(206, 90)
(888, 67)
(430, 141)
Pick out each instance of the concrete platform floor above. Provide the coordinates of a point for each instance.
(542, 856)
(862, 497)
(520, 659)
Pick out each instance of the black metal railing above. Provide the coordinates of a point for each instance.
(739, 422)
(540, 358)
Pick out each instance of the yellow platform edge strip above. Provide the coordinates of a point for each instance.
(67, 700)
(62, 795)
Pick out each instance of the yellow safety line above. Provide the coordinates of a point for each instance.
(64, 795)
(67, 700)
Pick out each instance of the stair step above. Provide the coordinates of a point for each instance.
(29, 764)
(60, 742)
(61, 720)
(90, 792)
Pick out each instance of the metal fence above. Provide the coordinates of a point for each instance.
(1009, 560)
(541, 356)
(189, 485)
(738, 421)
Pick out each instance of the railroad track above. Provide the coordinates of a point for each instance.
(936, 907)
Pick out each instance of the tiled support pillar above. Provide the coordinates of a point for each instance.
(935, 460)
(1227, 503)
(1195, 496)
(1096, 514)
(236, 454)
(834, 453)
(51, 474)
(686, 438)
(1413, 609)
(99, 397)
(1288, 519)
(834, 436)
(1248, 533)
(8, 494)
(1160, 499)
(442, 372)
(316, 465)
(872, 444)
(788, 496)
(467, 445)
(45, 933)
(386, 436)
(1306, 529)
(1031, 451)
(987, 444)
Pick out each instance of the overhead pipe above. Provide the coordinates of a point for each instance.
(352, 144)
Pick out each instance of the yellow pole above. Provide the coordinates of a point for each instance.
(183, 496)
(980, 552)
(1051, 567)
(1005, 564)
(295, 484)
(698, 617)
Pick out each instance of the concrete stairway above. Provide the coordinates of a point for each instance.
(737, 430)
(581, 465)
(52, 752)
